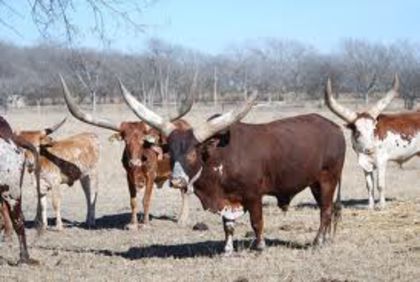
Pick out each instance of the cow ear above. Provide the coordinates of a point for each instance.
(223, 138)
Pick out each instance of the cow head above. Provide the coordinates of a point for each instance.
(38, 138)
(143, 144)
(363, 124)
(185, 145)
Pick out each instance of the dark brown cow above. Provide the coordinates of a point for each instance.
(12, 168)
(143, 158)
(231, 171)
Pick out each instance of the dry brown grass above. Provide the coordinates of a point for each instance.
(370, 246)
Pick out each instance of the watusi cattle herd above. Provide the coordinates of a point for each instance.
(211, 160)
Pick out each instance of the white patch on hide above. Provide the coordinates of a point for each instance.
(11, 165)
(231, 213)
(395, 147)
(366, 162)
(366, 140)
(219, 169)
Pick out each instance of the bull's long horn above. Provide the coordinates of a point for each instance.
(53, 128)
(80, 115)
(384, 102)
(209, 128)
(145, 114)
(341, 111)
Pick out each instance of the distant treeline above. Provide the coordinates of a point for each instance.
(163, 73)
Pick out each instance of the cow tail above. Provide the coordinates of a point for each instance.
(28, 146)
(337, 208)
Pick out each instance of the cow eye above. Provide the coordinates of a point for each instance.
(356, 134)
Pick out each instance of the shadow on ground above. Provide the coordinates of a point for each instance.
(350, 203)
(180, 251)
(114, 221)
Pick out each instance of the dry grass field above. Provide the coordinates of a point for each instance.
(369, 246)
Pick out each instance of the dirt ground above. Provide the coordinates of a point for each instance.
(369, 246)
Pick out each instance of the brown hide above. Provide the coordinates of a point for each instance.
(280, 158)
(154, 165)
(405, 124)
(68, 158)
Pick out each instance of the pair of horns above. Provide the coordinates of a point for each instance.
(105, 123)
(349, 115)
(201, 132)
(165, 125)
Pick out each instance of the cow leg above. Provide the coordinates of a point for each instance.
(89, 185)
(229, 228)
(43, 221)
(324, 193)
(257, 223)
(370, 188)
(56, 203)
(146, 199)
(16, 215)
(184, 213)
(41, 210)
(133, 203)
(381, 183)
(8, 226)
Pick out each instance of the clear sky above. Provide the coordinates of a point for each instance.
(213, 26)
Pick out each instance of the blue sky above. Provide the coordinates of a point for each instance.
(214, 26)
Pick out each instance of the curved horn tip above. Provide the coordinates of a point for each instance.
(328, 87)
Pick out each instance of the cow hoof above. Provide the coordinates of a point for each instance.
(380, 207)
(260, 246)
(58, 228)
(41, 229)
(228, 253)
(132, 226)
(28, 261)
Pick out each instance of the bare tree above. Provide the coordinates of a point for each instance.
(50, 16)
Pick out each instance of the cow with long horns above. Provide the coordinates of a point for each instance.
(378, 138)
(230, 165)
(143, 159)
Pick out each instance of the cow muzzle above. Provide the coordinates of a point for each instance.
(179, 179)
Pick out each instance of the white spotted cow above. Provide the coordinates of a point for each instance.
(12, 167)
(378, 138)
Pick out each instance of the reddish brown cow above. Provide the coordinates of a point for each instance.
(12, 168)
(230, 171)
(143, 157)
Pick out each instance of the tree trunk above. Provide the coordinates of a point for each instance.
(215, 100)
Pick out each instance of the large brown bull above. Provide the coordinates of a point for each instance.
(230, 165)
(143, 157)
(12, 168)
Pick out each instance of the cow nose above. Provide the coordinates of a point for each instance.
(178, 182)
